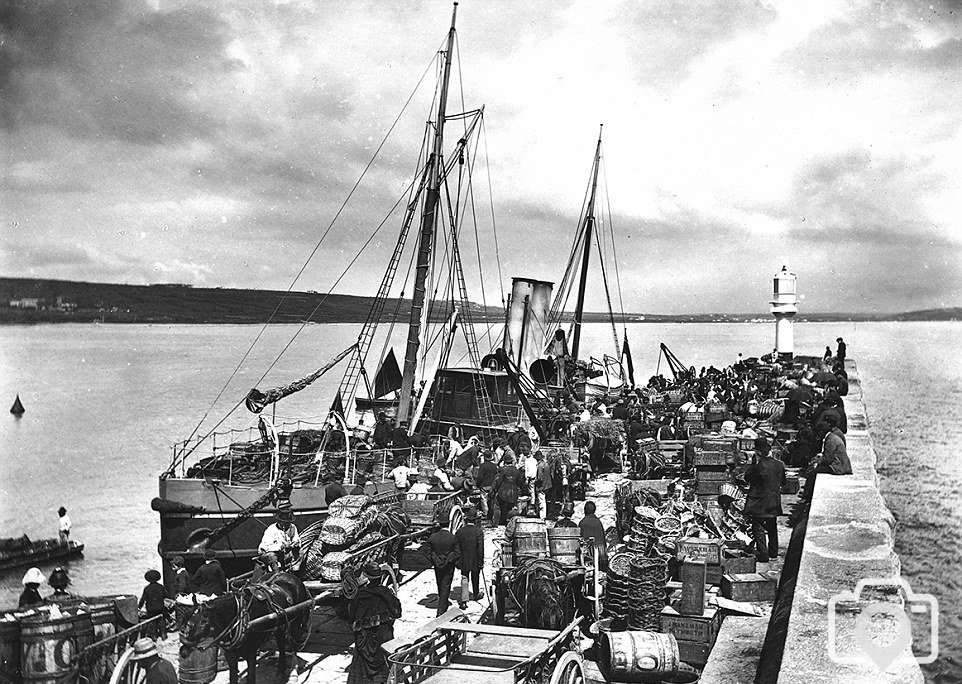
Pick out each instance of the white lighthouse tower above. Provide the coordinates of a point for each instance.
(784, 307)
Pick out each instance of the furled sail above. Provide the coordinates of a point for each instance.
(256, 400)
(388, 378)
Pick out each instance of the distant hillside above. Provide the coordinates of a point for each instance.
(29, 300)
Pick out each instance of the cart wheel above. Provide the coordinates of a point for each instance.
(568, 670)
(127, 671)
(456, 519)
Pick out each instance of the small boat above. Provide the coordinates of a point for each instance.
(16, 552)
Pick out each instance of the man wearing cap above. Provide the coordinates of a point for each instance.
(181, 585)
(158, 670)
(372, 613)
(486, 474)
(444, 553)
(470, 539)
(542, 484)
(209, 579)
(281, 543)
(763, 504)
(567, 511)
(834, 457)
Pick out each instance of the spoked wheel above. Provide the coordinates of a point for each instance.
(456, 519)
(569, 669)
(127, 671)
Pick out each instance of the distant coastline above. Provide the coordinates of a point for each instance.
(31, 300)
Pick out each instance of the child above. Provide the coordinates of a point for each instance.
(152, 602)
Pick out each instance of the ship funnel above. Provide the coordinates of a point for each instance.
(526, 328)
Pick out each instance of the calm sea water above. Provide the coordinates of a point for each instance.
(106, 402)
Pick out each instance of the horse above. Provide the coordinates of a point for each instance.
(225, 621)
(546, 593)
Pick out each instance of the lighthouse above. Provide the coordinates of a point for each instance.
(784, 307)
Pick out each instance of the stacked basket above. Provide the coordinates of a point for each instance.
(643, 532)
(647, 578)
(618, 589)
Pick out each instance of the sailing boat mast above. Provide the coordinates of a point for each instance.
(588, 225)
(426, 238)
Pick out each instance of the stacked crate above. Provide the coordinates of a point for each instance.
(712, 454)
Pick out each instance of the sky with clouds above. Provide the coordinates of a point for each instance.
(213, 143)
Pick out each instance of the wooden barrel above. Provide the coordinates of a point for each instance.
(529, 526)
(638, 656)
(564, 544)
(9, 650)
(530, 545)
(49, 645)
(196, 666)
(103, 618)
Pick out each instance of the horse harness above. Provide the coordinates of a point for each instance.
(235, 631)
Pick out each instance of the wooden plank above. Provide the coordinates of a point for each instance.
(469, 677)
(501, 630)
(425, 629)
(495, 644)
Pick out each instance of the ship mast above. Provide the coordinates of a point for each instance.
(426, 237)
(587, 227)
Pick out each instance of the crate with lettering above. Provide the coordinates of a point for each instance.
(719, 443)
(700, 629)
(729, 566)
(708, 549)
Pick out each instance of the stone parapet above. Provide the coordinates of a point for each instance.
(850, 537)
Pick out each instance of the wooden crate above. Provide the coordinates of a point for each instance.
(708, 549)
(729, 566)
(700, 629)
(719, 443)
(752, 586)
(712, 472)
(693, 653)
(708, 487)
(704, 457)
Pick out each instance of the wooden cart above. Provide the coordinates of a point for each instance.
(424, 511)
(451, 650)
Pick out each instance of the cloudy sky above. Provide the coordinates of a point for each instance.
(212, 142)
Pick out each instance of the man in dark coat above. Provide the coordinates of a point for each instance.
(382, 431)
(444, 553)
(518, 441)
(840, 355)
(209, 578)
(619, 411)
(401, 441)
(372, 613)
(763, 504)
(833, 459)
(484, 478)
(181, 585)
(468, 458)
(592, 528)
(471, 542)
(506, 487)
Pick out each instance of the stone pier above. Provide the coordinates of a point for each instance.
(849, 537)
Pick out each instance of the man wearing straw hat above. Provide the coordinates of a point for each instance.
(158, 670)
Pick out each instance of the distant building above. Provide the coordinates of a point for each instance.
(27, 303)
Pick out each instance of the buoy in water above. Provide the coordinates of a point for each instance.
(17, 409)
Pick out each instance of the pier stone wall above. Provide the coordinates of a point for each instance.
(850, 537)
